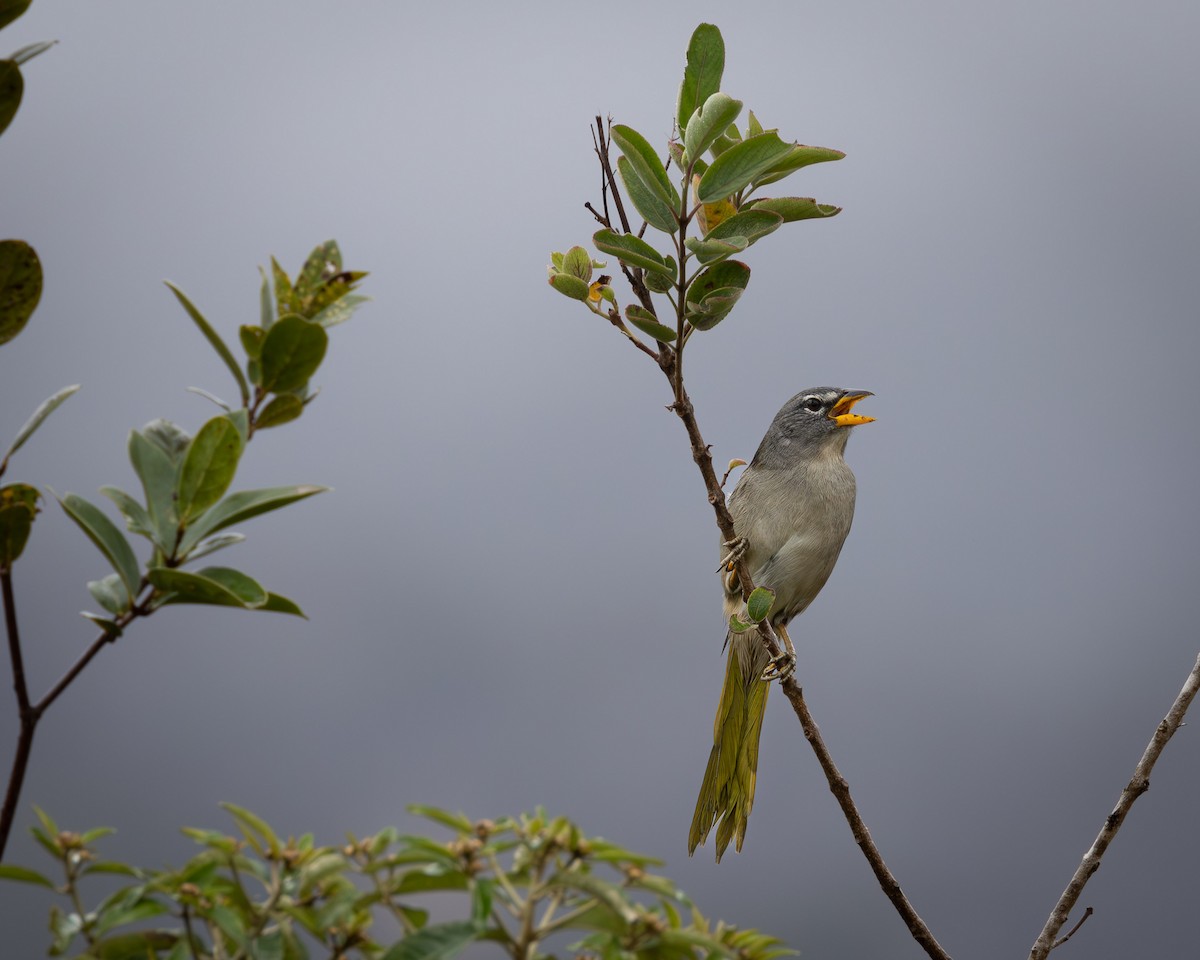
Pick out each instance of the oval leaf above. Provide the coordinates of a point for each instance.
(633, 251)
(712, 251)
(282, 409)
(577, 263)
(650, 205)
(799, 156)
(110, 593)
(737, 166)
(158, 475)
(183, 586)
(18, 507)
(750, 224)
(208, 467)
(20, 283)
(645, 321)
(291, 352)
(702, 75)
(707, 123)
(12, 86)
(760, 603)
(442, 941)
(646, 164)
(569, 286)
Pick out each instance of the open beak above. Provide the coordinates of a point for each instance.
(841, 415)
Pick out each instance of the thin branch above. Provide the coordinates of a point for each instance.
(25, 712)
(1138, 784)
(862, 836)
(1070, 933)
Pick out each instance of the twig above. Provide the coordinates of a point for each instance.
(1070, 933)
(1138, 784)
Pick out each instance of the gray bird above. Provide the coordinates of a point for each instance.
(791, 509)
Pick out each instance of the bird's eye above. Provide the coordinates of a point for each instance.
(813, 404)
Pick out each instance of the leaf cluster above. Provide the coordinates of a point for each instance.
(718, 169)
(526, 883)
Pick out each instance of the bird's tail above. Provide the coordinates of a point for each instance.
(727, 792)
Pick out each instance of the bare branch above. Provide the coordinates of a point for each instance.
(1138, 784)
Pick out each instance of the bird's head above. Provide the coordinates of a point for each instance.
(813, 421)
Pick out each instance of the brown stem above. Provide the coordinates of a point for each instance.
(1138, 784)
(26, 712)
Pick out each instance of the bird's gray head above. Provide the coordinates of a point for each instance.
(812, 423)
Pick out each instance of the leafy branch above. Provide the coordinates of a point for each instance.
(186, 508)
(528, 880)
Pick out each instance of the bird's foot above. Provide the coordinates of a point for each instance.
(780, 668)
(737, 549)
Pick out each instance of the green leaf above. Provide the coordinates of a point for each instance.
(215, 586)
(339, 311)
(645, 321)
(750, 224)
(458, 822)
(20, 270)
(251, 338)
(277, 604)
(213, 338)
(737, 626)
(715, 291)
(23, 875)
(577, 262)
(324, 262)
(213, 544)
(702, 75)
(753, 128)
(208, 467)
(283, 408)
(12, 86)
(633, 251)
(653, 209)
(107, 538)
(242, 506)
(137, 520)
(760, 603)
(170, 438)
(18, 507)
(285, 301)
(660, 282)
(793, 208)
(799, 156)
(266, 302)
(254, 827)
(734, 169)
(646, 164)
(47, 407)
(158, 474)
(707, 123)
(110, 593)
(291, 352)
(442, 941)
(120, 916)
(31, 50)
(569, 286)
(104, 623)
(11, 9)
(712, 251)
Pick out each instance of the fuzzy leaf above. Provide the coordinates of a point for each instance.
(47, 407)
(738, 166)
(646, 164)
(107, 538)
(707, 123)
(632, 250)
(645, 321)
(793, 208)
(569, 286)
(242, 506)
(648, 203)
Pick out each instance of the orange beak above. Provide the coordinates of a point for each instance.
(841, 415)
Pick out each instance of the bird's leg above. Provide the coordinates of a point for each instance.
(784, 665)
(737, 549)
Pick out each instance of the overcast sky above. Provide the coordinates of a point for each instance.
(511, 590)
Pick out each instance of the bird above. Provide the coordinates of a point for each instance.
(792, 509)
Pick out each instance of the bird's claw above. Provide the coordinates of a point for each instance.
(737, 549)
(780, 668)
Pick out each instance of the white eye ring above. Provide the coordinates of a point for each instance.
(813, 404)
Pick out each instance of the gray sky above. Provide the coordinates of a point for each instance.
(511, 590)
